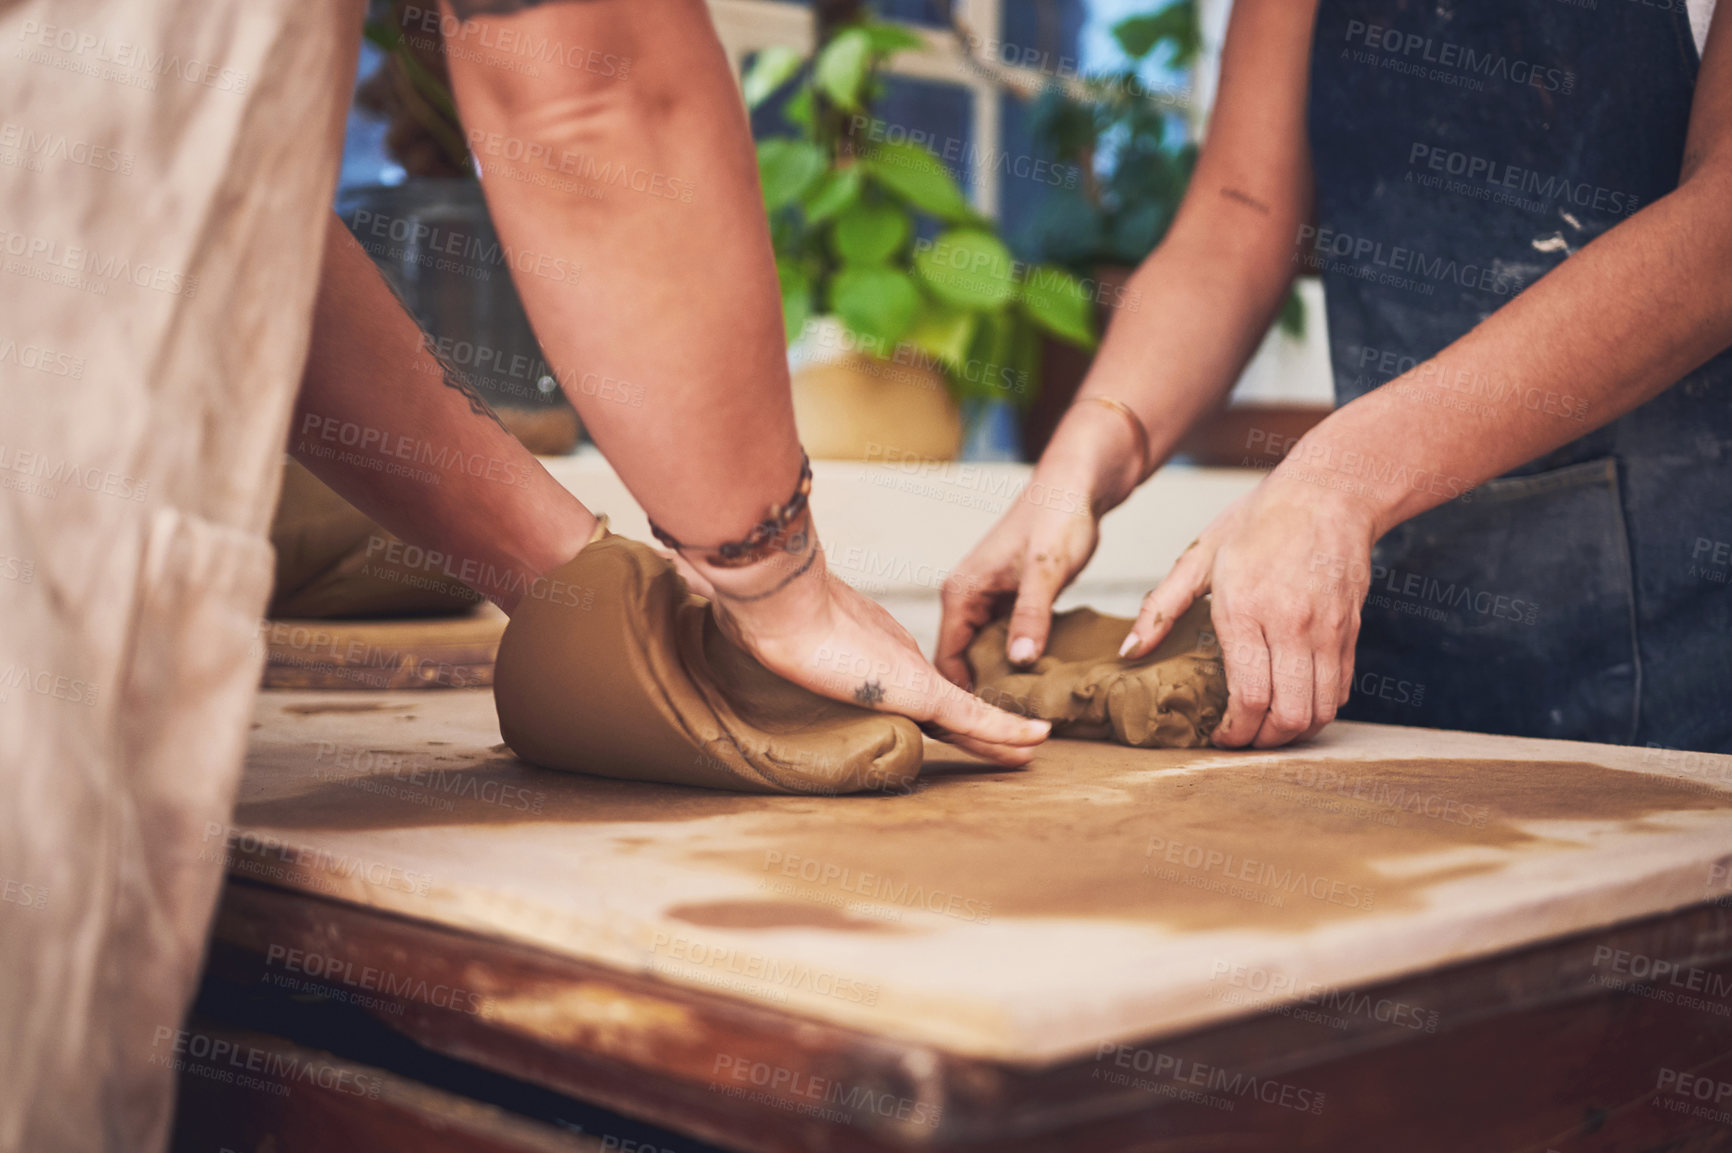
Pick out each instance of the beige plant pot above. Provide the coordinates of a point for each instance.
(852, 406)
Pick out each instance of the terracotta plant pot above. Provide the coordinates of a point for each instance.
(849, 405)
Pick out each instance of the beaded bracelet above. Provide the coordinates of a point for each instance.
(769, 534)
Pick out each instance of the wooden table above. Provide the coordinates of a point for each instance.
(1390, 939)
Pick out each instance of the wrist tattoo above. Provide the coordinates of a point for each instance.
(1246, 199)
(805, 542)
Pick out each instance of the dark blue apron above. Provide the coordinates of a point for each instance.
(1463, 148)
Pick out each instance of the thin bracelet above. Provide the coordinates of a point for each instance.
(767, 535)
(1137, 429)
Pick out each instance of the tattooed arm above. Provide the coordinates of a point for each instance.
(612, 140)
(432, 464)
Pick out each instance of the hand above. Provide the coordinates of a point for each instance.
(820, 633)
(1022, 564)
(1289, 566)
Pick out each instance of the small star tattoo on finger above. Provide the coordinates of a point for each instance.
(870, 693)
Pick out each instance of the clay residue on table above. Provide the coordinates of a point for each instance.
(1081, 833)
(1071, 840)
(775, 915)
(323, 707)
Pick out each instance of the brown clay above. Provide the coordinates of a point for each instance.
(1172, 698)
(612, 667)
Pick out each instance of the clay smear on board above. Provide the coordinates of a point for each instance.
(1282, 845)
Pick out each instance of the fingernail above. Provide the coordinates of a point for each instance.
(1130, 643)
(1021, 651)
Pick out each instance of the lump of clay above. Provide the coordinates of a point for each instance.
(1170, 699)
(334, 561)
(611, 666)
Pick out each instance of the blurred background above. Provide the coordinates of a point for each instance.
(1041, 147)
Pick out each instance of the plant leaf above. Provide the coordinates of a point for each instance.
(875, 301)
(920, 178)
(843, 66)
(888, 39)
(967, 267)
(944, 331)
(771, 68)
(787, 168)
(871, 233)
(796, 285)
(1058, 302)
(1292, 319)
(1138, 35)
(838, 189)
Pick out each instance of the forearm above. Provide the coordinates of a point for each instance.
(1198, 308)
(647, 183)
(410, 443)
(1612, 327)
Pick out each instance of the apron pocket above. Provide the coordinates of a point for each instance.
(1510, 612)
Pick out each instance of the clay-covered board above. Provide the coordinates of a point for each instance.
(1103, 894)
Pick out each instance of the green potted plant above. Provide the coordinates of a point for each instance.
(1133, 145)
(883, 261)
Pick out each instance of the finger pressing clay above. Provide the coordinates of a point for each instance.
(1170, 699)
(611, 666)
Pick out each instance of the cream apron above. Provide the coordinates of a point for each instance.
(166, 171)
